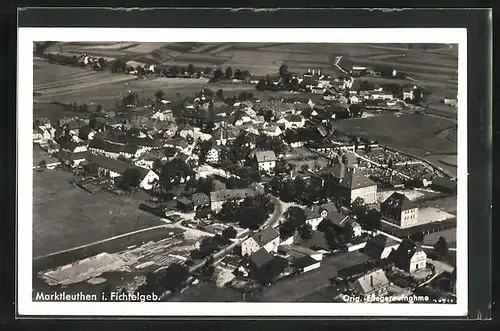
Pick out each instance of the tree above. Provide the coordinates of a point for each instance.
(347, 233)
(218, 74)
(207, 71)
(366, 86)
(268, 115)
(261, 85)
(286, 229)
(174, 71)
(83, 108)
(130, 99)
(118, 66)
(175, 276)
(306, 231)
(283, 70)
(294, 84)
(441, 247)
(140, 70)
(371, 220)
(220, 94)
(417, 236)
(358, 207)
(84, 131)
(190, 69)
(102, 62)
(131, 178)
(253, 211)
(332, 238)
(229, 233)
(243, 96)
(304, 167)
(238, 74)
(229, 73)
(159, 95)
(228, 212)
(296, 216)
(245, 74)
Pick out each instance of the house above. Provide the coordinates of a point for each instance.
(200, 200)
(300, 251)
(292, 121)
(266, 160)
(73, 160)
(265, 268)
(53, 149)
(72, 147)
(113, 150)
(306, 263)
(267, 238)
(409, 256)
(185, 205)
(212, 155)
(217, 198)
(357, 185)
(351, 222)
(373, 284)
(380, 247)
(271, 129)
(259, 259)
(115, 168)
(399, 210)
(316, 214)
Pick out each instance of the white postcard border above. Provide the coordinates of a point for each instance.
(24, 281)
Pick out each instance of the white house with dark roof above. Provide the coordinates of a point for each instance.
(409, 256)
(267, 238)
(292, 121)
(266, 160)
(399, 210)
(374, 283)
(116, 168)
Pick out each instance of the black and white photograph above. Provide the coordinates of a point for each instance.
(243, 172)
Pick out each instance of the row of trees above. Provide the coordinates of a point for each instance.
(251, 213)
(228, 74)
(98, 64)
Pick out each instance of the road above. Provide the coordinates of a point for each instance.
(271, 221)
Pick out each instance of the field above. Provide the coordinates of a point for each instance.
(298, 287)
(65, 217)
(415, 134)
(435, 69)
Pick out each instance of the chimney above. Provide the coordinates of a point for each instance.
(371, 280)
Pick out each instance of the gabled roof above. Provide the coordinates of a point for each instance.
(349, 159)
(405, 252)
(224, 195)
(304, 261)
(376, 245)
(115, 165)
(266, 235)
(354, 179)
(265, 156)
(399, 201)
(371, 281)
(260, 258)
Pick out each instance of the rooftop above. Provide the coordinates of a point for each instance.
(265, 156)
(399, 201)
(223, 195)
(371, 281)
(266, 235)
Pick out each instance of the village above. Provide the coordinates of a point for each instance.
(259, 197)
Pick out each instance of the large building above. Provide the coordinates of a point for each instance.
(359, 186)
(399, 210)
